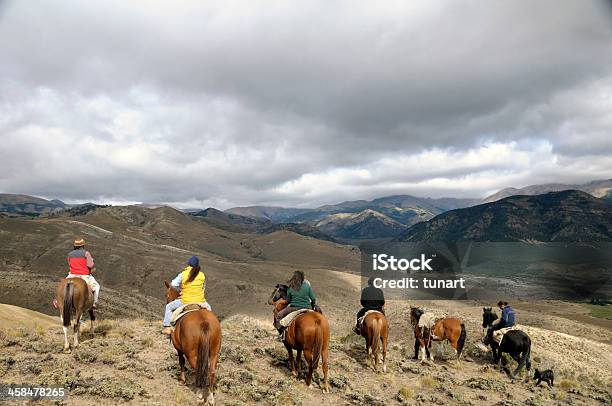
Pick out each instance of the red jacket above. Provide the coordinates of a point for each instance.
(80, 262)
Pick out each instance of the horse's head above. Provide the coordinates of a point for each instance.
(171, 293)
(279, 292)
(415, 315)
(488, 317)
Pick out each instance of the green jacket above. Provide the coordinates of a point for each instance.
(302, 298)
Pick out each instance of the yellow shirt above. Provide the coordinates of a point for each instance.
(192, 292)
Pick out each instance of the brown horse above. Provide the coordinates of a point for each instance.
(197, 335)
(446, 328)
(74, 294)
(308, 333)
(375, 330)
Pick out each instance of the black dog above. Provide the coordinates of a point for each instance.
(547, 376)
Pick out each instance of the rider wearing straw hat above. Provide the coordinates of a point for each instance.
(81, 265)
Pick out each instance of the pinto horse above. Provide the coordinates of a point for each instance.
(74, 294)
(446, 328)
(516, 343)
(375, 330)
(197, 336)
(308, 333)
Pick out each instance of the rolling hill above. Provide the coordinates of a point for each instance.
(136, 249)
(28, 205)
(557, 216)
(231, 221)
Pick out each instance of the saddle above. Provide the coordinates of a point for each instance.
(187, 308)
(427, 321)
(288, 319)
(498, 335)
(362, 318)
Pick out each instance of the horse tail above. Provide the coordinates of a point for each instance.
(461, 340)
(67, 311)
(203, 354)
(527, 342)
(376, 326)
(318, 343)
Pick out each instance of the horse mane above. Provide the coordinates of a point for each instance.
(489, 315)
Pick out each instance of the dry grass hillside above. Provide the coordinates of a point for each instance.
(127, 360)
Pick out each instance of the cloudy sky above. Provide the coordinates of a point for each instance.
(229, 103)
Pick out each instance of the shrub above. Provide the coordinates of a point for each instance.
(405, 394)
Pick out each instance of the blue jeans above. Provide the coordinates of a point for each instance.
(170, 307)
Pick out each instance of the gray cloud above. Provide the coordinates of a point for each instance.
(235, 103)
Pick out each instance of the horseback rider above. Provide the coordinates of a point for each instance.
(372, 298)
(81, 265)
(299, 296)
(507, 319)
(191, 282)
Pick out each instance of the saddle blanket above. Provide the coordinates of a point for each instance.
(428, 320)
(187, 308)
(498, 335)
(286, 321)
(362, 318)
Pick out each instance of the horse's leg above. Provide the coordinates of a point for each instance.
(181, 358)
(325, 366)
(92, 317)
(384, 351)
(291, 361)
(212, 376)
(77, 327)
(416, 348)
(298, 361)
(308, 355)
(424, 351)
(521, 364)
(66, 344)
(65, 329)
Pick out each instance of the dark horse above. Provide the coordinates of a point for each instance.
(197, 335)
(309, 333)
(515, 342)
(74, 294)
(445, 328)
(375, 330)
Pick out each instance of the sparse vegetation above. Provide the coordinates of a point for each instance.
(110, 367)
(600, 311)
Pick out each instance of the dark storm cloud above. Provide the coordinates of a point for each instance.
(238, 103)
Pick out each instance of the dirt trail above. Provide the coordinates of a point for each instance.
(129, 361)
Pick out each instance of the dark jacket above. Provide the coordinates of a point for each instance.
(507, 316)
(372, 298)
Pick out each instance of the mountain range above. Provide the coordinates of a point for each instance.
(569, 215)
(353, 221)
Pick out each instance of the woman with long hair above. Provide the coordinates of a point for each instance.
(299, 296)
(191, 282)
